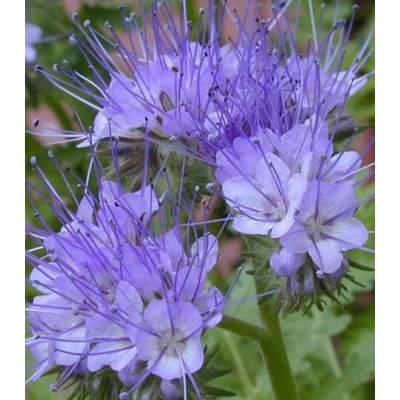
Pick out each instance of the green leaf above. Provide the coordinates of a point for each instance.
(358, 367)
(217, 392)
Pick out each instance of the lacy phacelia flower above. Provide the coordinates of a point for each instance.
(159, 87)
(294, 188)
(115, 295)
(281, 90)
(324, 226)
(165, 85)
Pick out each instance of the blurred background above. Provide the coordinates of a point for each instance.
(331, 353)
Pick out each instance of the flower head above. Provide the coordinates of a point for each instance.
(120, 289)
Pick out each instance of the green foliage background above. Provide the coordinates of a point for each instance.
(331, 352)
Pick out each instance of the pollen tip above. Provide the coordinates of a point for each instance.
(53, 387)
(73, 40)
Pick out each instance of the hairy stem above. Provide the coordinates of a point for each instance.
(275, 357)
(273, 353)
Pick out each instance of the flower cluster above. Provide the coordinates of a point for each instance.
(276, 160)
(297, 191)
(160, 82)
(123, 288)
(116, 294)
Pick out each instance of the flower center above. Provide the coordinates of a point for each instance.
(169, 340)
(279, 212)
(314, 228)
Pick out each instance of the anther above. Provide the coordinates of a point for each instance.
(33, 160)
(35, 123)
(53, 387)
(210, 186)
(73, 40)
(86, 24)
(75, 311)
(39, 68)
(56, 68)
(212, 137)
(356, 7)
(124, 396)
(50, 154)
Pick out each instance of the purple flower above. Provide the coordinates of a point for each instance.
(285, 263)
(324, 226)
(170, 341)
(163, 90)
(115, 338)
(123, 282)
(116, 295)
(319, 88)
(268, 201)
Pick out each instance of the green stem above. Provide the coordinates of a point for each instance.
(272, 349)
(242, 328)
(275, 357)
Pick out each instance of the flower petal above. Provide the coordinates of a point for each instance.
(349, 232)
(327, 255)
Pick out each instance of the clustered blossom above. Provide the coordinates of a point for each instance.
(276, 161)
(122, 289)
(160, 83)
(305, 198)
(114, 294)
